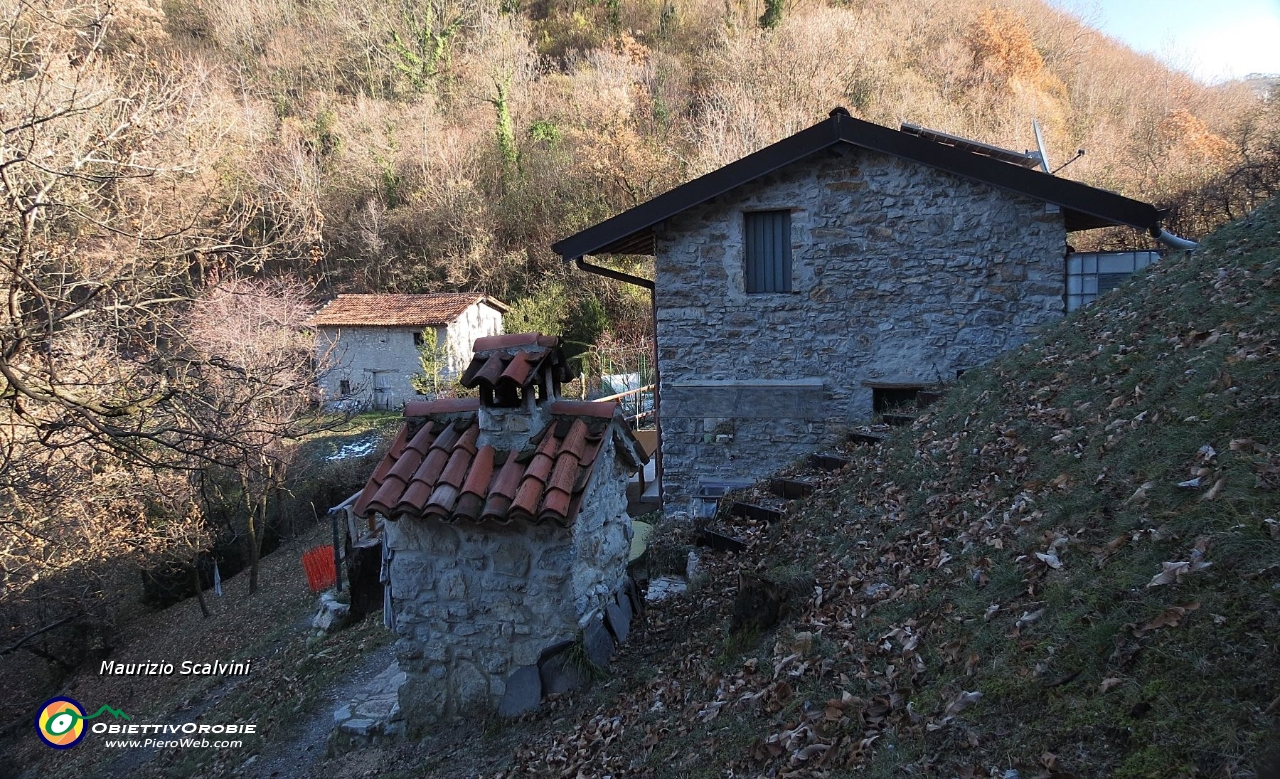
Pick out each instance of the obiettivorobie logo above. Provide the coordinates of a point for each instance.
(60, 721)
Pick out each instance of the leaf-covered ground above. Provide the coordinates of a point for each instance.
(1071, 567)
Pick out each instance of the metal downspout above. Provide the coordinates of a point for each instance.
(627, 278)
(1172, 241)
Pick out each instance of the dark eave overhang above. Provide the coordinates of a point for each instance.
(1084, 207)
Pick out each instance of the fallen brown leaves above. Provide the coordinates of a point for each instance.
(888, 538)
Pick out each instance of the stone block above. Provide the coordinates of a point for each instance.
(597, 643)
(358, 726)
(624, 601)
(331, 616)
(511, 558)
(342, 714)
(523, 692)
(563, 672)
(619, 621)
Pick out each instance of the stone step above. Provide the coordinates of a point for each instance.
(828, 462)
(719, 542)
(790, 489)
(752, 511)
(898, 420)
(867, 438)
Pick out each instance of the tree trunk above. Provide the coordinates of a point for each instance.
(195, 581)
(255, 551)
(255, 508)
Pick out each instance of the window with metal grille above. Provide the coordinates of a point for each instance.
(767, 244)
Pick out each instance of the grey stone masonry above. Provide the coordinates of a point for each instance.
(474, 603)
(378, 363)
(901, 274)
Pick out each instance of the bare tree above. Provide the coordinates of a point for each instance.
(249, 387)
(113, 224)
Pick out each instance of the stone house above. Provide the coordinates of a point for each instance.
(506, 533)
(367, 345)
(804, 287)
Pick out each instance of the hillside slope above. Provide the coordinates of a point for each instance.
(1020, 581)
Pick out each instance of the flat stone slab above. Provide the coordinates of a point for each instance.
(665, 587)
(619, 621)
(633, 594)
(374, 713)
(623, 599)
(597, 643)
(523, 694)
(358, 726)
(380, 708)
(560, 674)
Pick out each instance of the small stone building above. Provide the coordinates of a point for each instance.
(367, 345)
(508, 536)
(803, 288)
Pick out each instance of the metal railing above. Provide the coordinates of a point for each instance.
(637, 405)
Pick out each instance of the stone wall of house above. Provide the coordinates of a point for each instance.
(901, 274)
(473, 604)
(477, 321)
(378, 362)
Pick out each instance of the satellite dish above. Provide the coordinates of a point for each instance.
(1044, 155)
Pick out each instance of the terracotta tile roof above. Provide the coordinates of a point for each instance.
(515, 359)
(436, 469)
(439, 308)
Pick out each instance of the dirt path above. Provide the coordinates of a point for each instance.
(295, 756)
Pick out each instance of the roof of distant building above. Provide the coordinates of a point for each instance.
(438, 308)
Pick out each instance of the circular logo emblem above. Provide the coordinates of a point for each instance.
(60, 723)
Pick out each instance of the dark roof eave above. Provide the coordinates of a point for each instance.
(1106, 206)
(1086, 207)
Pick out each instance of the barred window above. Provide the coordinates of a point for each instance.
(767, 249)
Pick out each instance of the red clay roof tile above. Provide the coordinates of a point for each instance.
(416, 496)
(521, 365)
(496, 508)
(508, 480)
(439, 470)
(481, 473)
(512, 340)
(576, 440)
(422, 440)
(468, 507)
(584, 408)
(442, 501)
(423, 408)
(492, 369)
(388, 494)
(565, 473)
(404, 468)
(397, 445)
(456, 470)
(517, 359)
(556, 507)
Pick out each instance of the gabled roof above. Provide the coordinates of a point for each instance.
(436, 467)
(1084, 207)
(439, 308)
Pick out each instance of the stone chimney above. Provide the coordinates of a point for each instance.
(519, 377)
